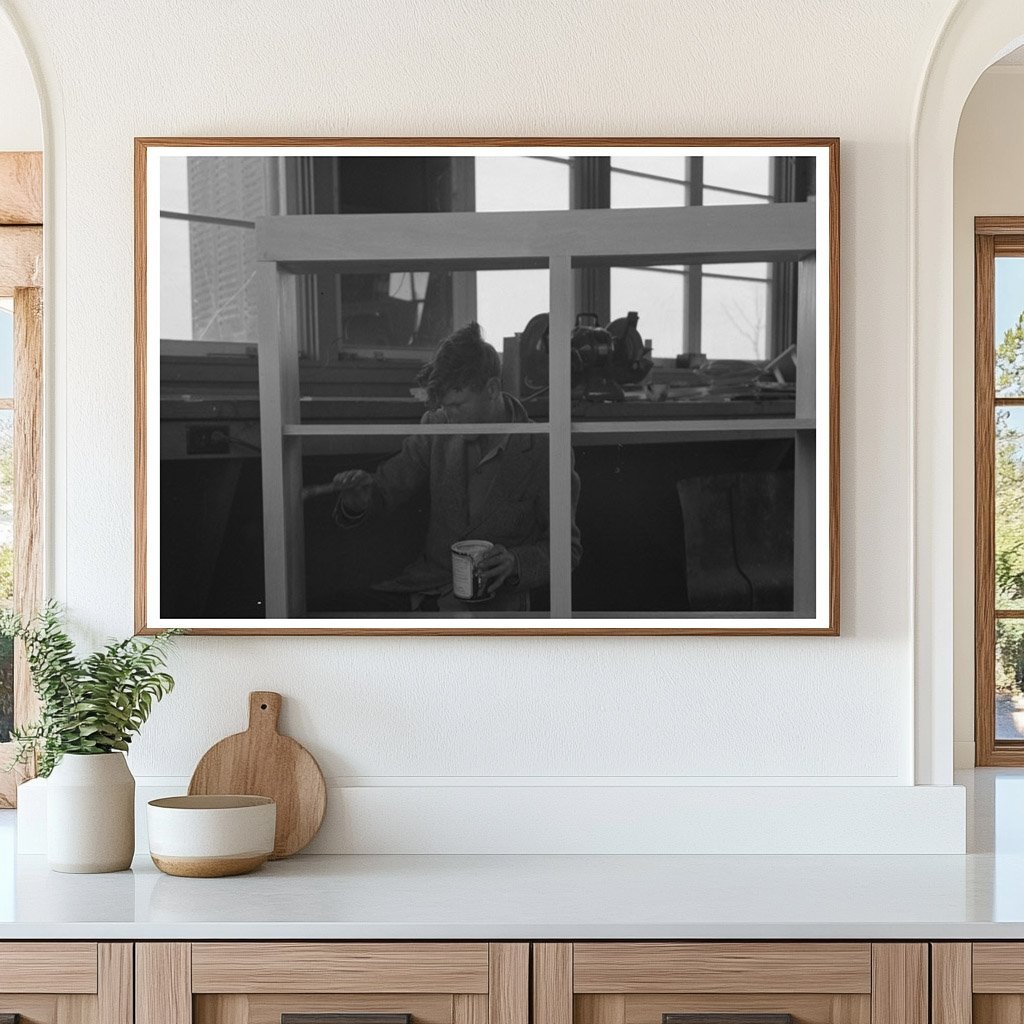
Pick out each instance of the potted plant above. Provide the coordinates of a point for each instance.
(89, 710)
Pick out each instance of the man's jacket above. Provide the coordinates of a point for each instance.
(514, 512)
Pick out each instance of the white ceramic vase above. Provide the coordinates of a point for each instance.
(90, 814)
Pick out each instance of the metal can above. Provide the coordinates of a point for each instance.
(467, 585)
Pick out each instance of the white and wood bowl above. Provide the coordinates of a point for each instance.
(211, 836)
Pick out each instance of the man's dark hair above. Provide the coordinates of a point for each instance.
(462, 360)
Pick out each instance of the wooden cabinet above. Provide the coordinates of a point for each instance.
(66, 982)
(682, 982)
(977, 983)
(510, 983)
(382, 982)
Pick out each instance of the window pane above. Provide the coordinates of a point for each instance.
(734, 314)
(6, 351)
(207, 270)
(506, 183)
(1009, 327)
(6, 567)
(174, 184)
(6, 506)
(1009, 514)
(207, 282)
(506, 301)
(738, 174)
(6, 689)
(646, 363)
(659, 295)
(363, 361)
(647, 181)
(1009, 679)
(235, 187)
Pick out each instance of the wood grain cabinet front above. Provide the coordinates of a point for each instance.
(978, 983)
(730, 983)
(332, 983)
(66, 982)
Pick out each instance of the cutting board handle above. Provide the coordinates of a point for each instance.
(264, 710)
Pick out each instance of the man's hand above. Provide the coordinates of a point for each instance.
(355, 489)
(497, 566)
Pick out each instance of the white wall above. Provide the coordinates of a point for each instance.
(438, 713)
(21, 127)
(988, 182)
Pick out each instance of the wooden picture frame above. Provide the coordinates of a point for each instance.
(771, 569)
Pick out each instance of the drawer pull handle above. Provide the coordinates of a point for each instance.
(343, 1018)
(727, 1018)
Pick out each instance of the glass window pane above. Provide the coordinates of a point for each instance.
(235, 187)
(6, 507)
(6, 567)
(375, 333)
(506, 301)
(694, 527)
(6, 350)
(6, 688)
(207, 270)
(1009, 512)
(223, 278)
(1009, 327)
(734, 317)
(175, 280)
(638, 182)
(738, 175)
(506, 183)
(659, 295)
(1009, 679)
(207, 282)
(653, 367)
(174, 184)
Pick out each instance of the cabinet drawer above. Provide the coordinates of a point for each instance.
(998, 968)
(68, 967)
(339, 967)
(721, 967)
(730, 983)
(308, 982)
(61, 982)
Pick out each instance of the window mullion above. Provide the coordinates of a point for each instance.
(560, 439)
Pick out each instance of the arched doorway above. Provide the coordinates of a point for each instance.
(976, 34)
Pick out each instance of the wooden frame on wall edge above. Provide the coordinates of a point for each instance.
(993, 237)
(21, 278)
(142, 144)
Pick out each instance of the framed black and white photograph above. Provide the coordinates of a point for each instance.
(487, 386)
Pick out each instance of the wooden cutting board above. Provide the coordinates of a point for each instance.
(262, 762)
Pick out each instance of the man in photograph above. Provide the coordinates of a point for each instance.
(490, 486)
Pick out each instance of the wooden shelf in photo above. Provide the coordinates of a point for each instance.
(369, 429)
(361, 243)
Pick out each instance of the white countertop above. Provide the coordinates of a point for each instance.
(536, 897)
(977, 896)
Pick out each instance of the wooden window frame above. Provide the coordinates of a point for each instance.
(21, 262)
